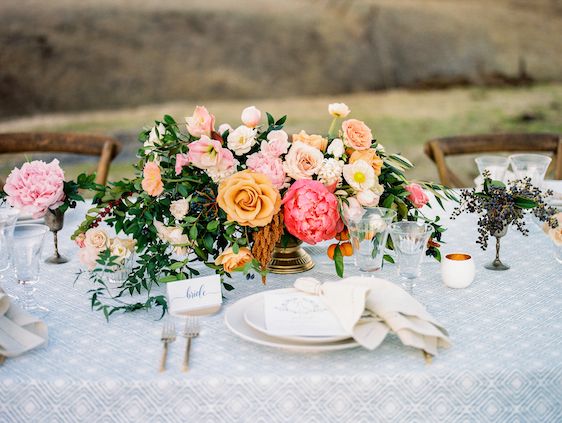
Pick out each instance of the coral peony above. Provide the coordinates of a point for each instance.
(249, 198)
(417, 196)
(311, 212)
(152, 180)
(201, 123)
(357, 135)
(36, 187)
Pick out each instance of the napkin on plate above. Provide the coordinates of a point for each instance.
(19, 331)
(388, 306)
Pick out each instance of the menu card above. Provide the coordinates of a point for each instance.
(299, 314)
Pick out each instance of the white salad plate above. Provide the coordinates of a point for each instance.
(235, 321)
(255, 318)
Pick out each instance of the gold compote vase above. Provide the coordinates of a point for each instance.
(289, 257)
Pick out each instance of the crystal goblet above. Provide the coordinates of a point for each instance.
(8, 218)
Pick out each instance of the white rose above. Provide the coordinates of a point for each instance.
(97, 239)
(241, 140)
(179, 208)
(224, 127)
(172, 234)
(303, 161)
(251, 116)
(336, 148)
(338, 110)
(120, 251)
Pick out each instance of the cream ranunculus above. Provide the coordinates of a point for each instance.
(230, 260)
(179, 208)
(338, 110)
(249, 198)
(97, 239)
(314, 140)
(241, 140)
(303, 161)
(359, 175)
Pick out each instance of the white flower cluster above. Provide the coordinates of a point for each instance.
(331, 171)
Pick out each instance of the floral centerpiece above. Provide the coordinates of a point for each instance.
(227, 196)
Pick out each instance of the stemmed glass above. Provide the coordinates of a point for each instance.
(533, 166)
(410, 242)
(496, 166)
(8, 218)
(26, 260)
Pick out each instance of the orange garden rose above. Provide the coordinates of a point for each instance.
(249, 198)
(230, 260)
(356, 134)
(369, 156)
(317, 141)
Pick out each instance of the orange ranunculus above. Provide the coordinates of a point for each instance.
(317, 141)
(370, 156)
(249, 198)
(230, 260)
(152, 181)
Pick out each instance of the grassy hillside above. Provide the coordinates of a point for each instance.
(92, 54)
(402, 120)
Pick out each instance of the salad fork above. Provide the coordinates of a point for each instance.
(190, 331)
(168, 336)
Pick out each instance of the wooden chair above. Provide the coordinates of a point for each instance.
(90, 145)
(438, 149)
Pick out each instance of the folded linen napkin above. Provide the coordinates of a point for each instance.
(385, 307)
(19, 331)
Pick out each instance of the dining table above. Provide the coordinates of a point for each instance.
(504, 364)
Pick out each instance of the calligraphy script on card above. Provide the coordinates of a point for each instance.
(197, 296)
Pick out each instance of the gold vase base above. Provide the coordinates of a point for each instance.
(290, 260)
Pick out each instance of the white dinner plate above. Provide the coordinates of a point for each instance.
(236, 323)
(255, 318)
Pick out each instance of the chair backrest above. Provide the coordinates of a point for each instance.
(85, 144)
(438, 149)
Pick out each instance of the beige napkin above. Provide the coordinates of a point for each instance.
(388, 308)
(19, 331)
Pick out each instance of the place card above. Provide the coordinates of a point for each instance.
(299, 314)
(194, 297)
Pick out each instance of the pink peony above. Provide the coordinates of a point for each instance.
(36, 187)
(205, 153)
(268, 165)
(276, 145)
(182, 160)
(201, 123)
(417, 196)
(311, 212)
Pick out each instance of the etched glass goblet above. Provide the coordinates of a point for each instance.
(8, 218)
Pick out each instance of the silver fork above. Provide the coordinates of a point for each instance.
(190, 331)
(168, 336)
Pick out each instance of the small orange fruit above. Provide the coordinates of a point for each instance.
(343, 235)
(346, 249)
(331, 251)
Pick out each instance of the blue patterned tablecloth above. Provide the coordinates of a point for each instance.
(505, 363)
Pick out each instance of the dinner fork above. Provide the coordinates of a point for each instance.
(190, 331)
(168, 336)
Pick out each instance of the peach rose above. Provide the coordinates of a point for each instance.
(97, 239)
(357, 135)
(317, 141)
(249, 198)
(303, 161)
(231, 261)
(369, 156)
(152, 179)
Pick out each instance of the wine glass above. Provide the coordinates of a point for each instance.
(410, 242)
(26, 260)
(533, 166)
(8, 218)
(496, 166)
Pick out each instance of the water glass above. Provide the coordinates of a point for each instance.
(26, 259)
(496, 166)
(532, 166)
(116, 276)
(8, 218)
(369, 233)
(410, 243)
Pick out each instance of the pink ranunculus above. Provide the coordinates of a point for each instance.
(277, 143)
(356, 134)
(201, 123)
(36, 187)
(268, 165)
(88, 256)
(311, 212)
(251, 116)
(205, 153)
(417, 196)
(182, 160)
